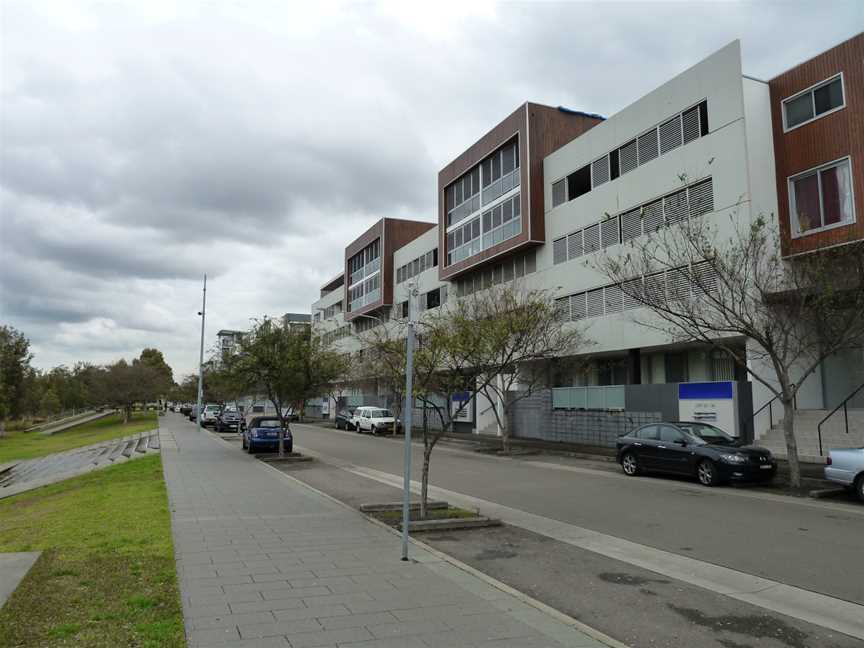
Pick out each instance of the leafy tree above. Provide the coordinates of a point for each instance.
(287, 364)
(163, 375)
(701, 284)
(124, 384)
(50, 403)
(15, 359)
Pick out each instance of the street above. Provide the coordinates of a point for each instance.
(810, 545)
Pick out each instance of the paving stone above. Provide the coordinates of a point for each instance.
(324, 637)
(231, 620)
(278, 628)
(357, 620)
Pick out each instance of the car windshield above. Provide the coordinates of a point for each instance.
(379, 413)
(269, 423)
(707, 433)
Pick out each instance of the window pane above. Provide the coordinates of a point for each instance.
(507, 162)
(475, 180)
(799, 110)
(828, 96)
(508, 210)
(487, 221)
(496, 166)
(475, 228)
(559, 194)
(487, 172)
(496, 216)
(837, 195)
(807, 203)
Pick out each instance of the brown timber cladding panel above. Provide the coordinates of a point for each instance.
(540, 130)
(825, 139)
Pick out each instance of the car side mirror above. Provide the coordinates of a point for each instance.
(682, 442)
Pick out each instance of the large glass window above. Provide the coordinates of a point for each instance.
(821, 198)
(814, 102)
(492, 178)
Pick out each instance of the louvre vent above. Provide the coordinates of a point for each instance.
(631, 291)
(594, 306)
(577, 306)
(655, 288)
(670, 134)
(702, 198)
(691, 129)
(628, 157)
(678, 284)
(574, 245)
(631, 225)
(652, 216)
(704, 278)
(614, 299)
(648, 146)
(600, 171)
(559, 250)
(675, 206)
(559, 192)
(609, 234)
(592, 238)
(562, 306)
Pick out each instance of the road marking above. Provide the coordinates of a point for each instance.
(849, 508)
(820, 609)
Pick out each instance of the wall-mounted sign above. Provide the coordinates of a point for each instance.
(709, 402)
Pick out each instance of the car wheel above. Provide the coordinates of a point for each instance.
(706, 472)
(249, 449)
(243, 443)
(373, 431)
(289, 448)
(630, 465)
(858, 487)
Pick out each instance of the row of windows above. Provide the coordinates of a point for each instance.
(694, 200)
(364, 293)
(484, 183)
(677, 284)
(332, 311)
(418, 265)
(366, 262)
(432, 299)
(340, 333)
(683, 128)
(511, 268)
(495, 225)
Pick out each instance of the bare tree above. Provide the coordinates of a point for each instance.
(719, 282)
(514, 335)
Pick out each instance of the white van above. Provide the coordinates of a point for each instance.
(373, 420)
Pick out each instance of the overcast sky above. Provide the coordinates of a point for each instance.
(145, 144)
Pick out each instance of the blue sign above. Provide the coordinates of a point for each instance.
(706, 391)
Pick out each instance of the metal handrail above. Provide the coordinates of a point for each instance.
(770, 413)
(843, 404)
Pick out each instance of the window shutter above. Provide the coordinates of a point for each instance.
(678, 283)
(705, 278)
(652, 216)
(559, 192)
(609, 234)
(614, 299)
(559, 251)
(631, 225)
(675, 207)
(631, 290)
(562, 306)
(701, 198)
(594, 306)
(592, 238)
(670, 134)
(692, 129)
(648, 146)
(577, 306)
(600, 171)
(574, 245)
(628, 157)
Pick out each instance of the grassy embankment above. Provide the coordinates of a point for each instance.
(106, 576)
(29, 445)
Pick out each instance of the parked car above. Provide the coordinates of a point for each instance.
(262, 434)
(846, 466)
(373, 420)
(209, 415)
(229, 419)
(695, 449)
(193, 413)
(186, 409)
(344, 419)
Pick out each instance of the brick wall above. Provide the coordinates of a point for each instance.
(534, 418)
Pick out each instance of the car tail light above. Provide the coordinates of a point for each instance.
(828, 461)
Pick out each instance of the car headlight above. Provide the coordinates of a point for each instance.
(734, 458)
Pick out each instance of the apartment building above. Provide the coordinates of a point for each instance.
(547, 189)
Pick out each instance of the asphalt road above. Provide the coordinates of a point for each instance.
(811, 545)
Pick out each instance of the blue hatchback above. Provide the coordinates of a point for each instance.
(262, 435)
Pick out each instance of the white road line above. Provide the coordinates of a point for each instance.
(826, 611)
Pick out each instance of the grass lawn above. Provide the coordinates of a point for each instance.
(394, 518)
(28, 445)
(106, 576)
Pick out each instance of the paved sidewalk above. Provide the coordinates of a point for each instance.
(266, 561)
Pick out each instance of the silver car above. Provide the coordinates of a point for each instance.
(846, 466)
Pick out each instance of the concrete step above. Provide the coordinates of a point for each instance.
(129, 449)
(141, 445)
(153, 443)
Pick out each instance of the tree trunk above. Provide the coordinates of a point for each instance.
(791, 442)
(505, 434)
(126, 411)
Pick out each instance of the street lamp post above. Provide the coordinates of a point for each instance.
(203, 315)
